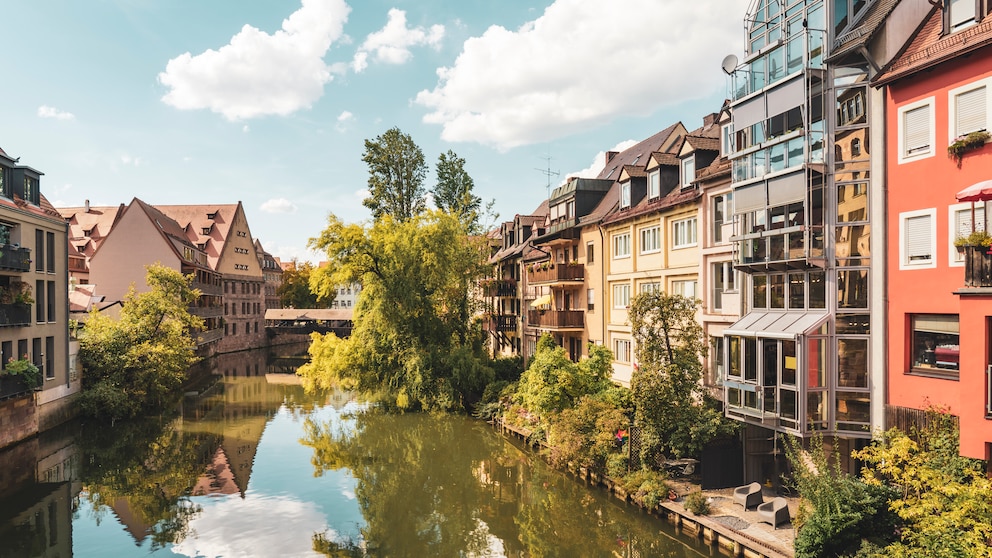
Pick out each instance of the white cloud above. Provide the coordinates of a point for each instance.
(391, 44)
(362, 193)
(581, 64)
(278, 205)
(344, 119)
(598, 162)
(257, 73)
(245, 129)
(45, 111)
(129, 160)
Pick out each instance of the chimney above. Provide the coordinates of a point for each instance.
(709, 120)
(86, 206)
(610, 155)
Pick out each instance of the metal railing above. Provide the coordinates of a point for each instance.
(15, 258)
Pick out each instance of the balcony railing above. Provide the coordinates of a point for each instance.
(209, 336)
(977, 266)
(786, 248)
(15, 315)
(14, 386)
(556, 273)
(503, 323)
(556, 319)
(499, 288)
(15, 258)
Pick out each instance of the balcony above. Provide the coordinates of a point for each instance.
(209, 336)
(556, 273)
(14, 386)
(502, 323)
(15, 258)
(977, 267)
(556, 319)
(15, 315)
(499, 288)
(781, 250)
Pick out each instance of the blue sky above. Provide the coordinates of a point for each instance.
(269, 101)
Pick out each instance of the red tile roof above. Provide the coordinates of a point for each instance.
(929, 47)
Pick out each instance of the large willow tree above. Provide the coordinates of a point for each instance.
(413, 343)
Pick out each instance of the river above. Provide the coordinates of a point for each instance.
(251, 465)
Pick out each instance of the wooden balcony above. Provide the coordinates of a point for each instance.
(557, 273)
(499, 288)
(556, 319)
(977, 266)
(503, 323)
(15, 258)
(15, 315)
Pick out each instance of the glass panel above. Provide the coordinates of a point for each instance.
(853, 407)
(787, 401)
(733, 397)
(852, 363)
(776, 248)
(795, 149)
(853, 242)
(816, 409)
(797, 290)
(751, 399)
(750, 360)
(936, 344)
(776, 59)
(852, 289)
(853, 324)
(735, 356)
(817, 289)
(794, 53)
(789, 363)
(759, 293)
(852, 202)
(776, 290)
(757, 72)
(769, 396)
(769, 362)
(817, 358)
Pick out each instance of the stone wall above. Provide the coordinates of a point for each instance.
(18, 419)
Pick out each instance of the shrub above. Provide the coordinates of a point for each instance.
(696, 503)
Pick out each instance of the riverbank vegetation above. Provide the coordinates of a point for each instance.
(136, 364)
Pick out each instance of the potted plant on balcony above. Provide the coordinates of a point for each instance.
(976, 238)
(24, 370)
(966, 143)
(20, 293)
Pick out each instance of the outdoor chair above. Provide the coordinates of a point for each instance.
(775, 512)
(748, 495)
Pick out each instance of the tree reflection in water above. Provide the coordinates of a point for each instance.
(449, 486)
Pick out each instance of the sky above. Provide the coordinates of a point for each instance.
(269, 102)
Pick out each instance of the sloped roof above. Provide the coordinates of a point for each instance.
(194, 219)
(930, 47)
(861, 33)
(98, 220)
(638, 153)
(665, 159)
(168, 228)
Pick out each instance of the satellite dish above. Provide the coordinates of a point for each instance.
(729, 64)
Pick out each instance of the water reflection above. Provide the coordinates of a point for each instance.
(251, 465)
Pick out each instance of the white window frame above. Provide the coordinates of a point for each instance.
(684, 233)
(621, 240)
(645, 235)
(688, 166)
(970, 9)
(654, 184)
(649, 287)
(727, 139)
(679, 287)
(954, 258)
(621, 296)
(901, 123)
(952, 107)
(904, 217)
(625, 195)
(623, 354)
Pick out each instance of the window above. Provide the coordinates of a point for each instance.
(960, 220)
(688, 170)
(917, 233)
(650, 287)
(49, 355)
(625, 195)
(590, 253)
(590, 299)
(39, 307)
(916, 130)
(39, 246)
(50, 245)
(934, 340)
(684, 233)
(969, 109)
(721, 210)
(50, 308)
(621, 349)
(650, 240)
(726, 140)
(724, 281)
(959, 14)
(37, 358)
(621, 296)
(654, 184)
(621, 245)
(684, 288)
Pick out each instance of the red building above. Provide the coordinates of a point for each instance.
(940, 297)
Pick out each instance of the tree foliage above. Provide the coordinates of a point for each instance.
(453, 192)
(585, 435)
(943, 500)
(413, 342)
(674, 412)
(553, 383)
(397, 169)
(294, 292)
(137, 363)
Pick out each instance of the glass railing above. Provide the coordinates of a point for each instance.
(779, 63)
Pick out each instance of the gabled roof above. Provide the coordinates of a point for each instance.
(701, 143)
(663, 160)
(638, 153)
(89, 225)
(930, 47)
(195, 219)
(860, 34)
(632, 171)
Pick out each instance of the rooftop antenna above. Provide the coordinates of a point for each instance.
(548, 172)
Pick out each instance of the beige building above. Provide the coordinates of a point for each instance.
(272, 272)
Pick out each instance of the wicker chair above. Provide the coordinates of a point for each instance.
(748, 495)
(775, 512)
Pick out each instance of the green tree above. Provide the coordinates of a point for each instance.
(585, 435)
(397, 169)
(675, 413)
(553, 383)
(944, 500)
(137, 363)
(413, 342)
(294, 292)
(453, 191)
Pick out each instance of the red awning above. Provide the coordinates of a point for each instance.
(981, 191)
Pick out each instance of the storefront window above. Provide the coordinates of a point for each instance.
(935, 342)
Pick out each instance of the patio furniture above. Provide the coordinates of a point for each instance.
(775, 512)
(748, 495)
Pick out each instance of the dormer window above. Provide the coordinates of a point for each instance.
(654, 184)
(30, 189)
(688, 170)
(625, 195)
(959, 14)
(205, 230)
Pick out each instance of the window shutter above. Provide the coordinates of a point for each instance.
(970, 108)
(918, 239)
(916, 130)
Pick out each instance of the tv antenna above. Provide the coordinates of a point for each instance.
(548, 172)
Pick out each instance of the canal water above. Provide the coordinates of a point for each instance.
(251, 465)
